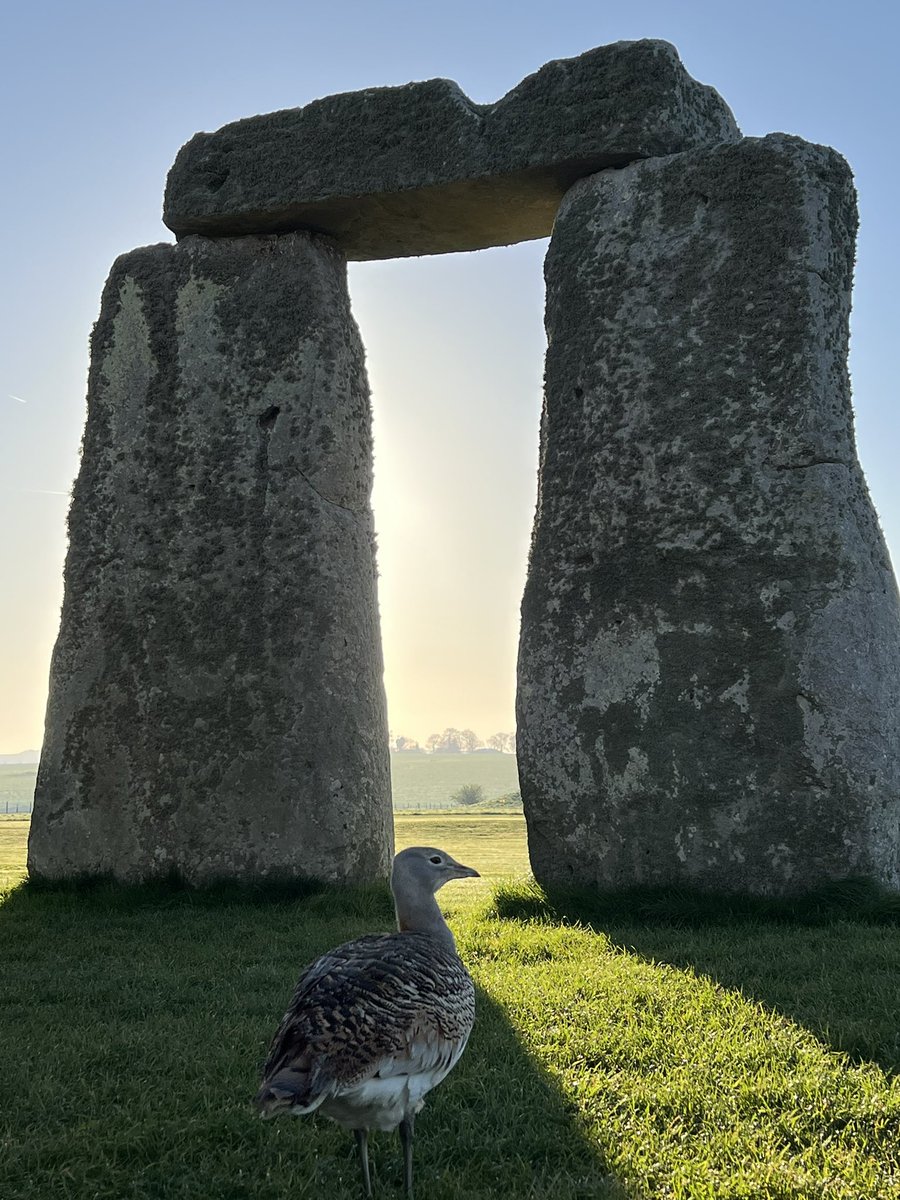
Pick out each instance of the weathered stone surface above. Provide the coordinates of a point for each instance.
(709, 662)
(421, 169)
(216, 701)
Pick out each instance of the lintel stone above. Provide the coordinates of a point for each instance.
(422, 169)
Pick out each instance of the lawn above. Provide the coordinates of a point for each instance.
(634, 1061)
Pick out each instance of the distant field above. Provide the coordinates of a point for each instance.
(419, 780)
(16, 787)
(429, 780)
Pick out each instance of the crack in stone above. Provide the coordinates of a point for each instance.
(354, 512)
(813, 462)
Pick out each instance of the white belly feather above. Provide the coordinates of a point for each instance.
(396, 1090)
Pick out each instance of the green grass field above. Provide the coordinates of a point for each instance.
(418, 780)
(635, 1060)
(428, 780)
(16, 787)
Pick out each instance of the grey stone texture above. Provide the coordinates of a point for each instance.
(710, 649)
(422, 169)
(216, 700)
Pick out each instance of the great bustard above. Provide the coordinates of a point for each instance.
(378, 1022)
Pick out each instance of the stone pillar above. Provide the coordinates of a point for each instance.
(216, 700)
(710, 659)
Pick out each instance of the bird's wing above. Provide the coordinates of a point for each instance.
(427, 1050)
(383, 1005)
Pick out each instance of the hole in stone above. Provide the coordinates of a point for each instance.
(579, 392)
(267, 419)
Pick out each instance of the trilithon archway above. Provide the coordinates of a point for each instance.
(709, 660)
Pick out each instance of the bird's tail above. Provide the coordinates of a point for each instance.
(287, 1091)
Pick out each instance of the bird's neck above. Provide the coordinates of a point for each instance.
(418, 912)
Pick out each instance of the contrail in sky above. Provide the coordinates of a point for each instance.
(19, 398)
(33, 492)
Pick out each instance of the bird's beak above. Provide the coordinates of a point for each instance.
(461, 872)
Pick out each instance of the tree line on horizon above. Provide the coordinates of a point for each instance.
(455, 741)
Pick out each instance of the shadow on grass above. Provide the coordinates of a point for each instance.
(828, 960)
(137, 1019)
(174, 889)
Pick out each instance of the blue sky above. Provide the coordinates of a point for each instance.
(97, 98)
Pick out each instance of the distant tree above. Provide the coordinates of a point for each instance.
(402, 743)
(469, 793)
(433, 741)
(450, 742)
(505, 742)
(470, 740)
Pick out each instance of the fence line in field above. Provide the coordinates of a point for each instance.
(8, 807)
(15, 806)
(403, 805)
(20, 806)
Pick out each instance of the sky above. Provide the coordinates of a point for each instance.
(97, 97)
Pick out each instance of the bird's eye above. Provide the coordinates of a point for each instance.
(435, 858)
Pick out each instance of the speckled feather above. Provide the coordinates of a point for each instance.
(399, 1004)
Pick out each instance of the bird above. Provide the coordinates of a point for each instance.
(376, 1023)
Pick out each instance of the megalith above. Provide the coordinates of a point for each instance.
(216, 702)
(422, 169)
(710, 645)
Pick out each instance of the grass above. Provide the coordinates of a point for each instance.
(624, 1059)
(13, 846)
(856, 899)
(493, 843)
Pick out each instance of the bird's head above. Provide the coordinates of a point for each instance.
(427, 868)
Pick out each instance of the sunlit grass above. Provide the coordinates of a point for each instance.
(688, 1088)
(13, 848)
(494, 844)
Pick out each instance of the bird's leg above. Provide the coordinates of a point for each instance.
(362, 1149)
(406, 1139)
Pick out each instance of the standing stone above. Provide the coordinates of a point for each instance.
(710, 659)
(216, 701)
